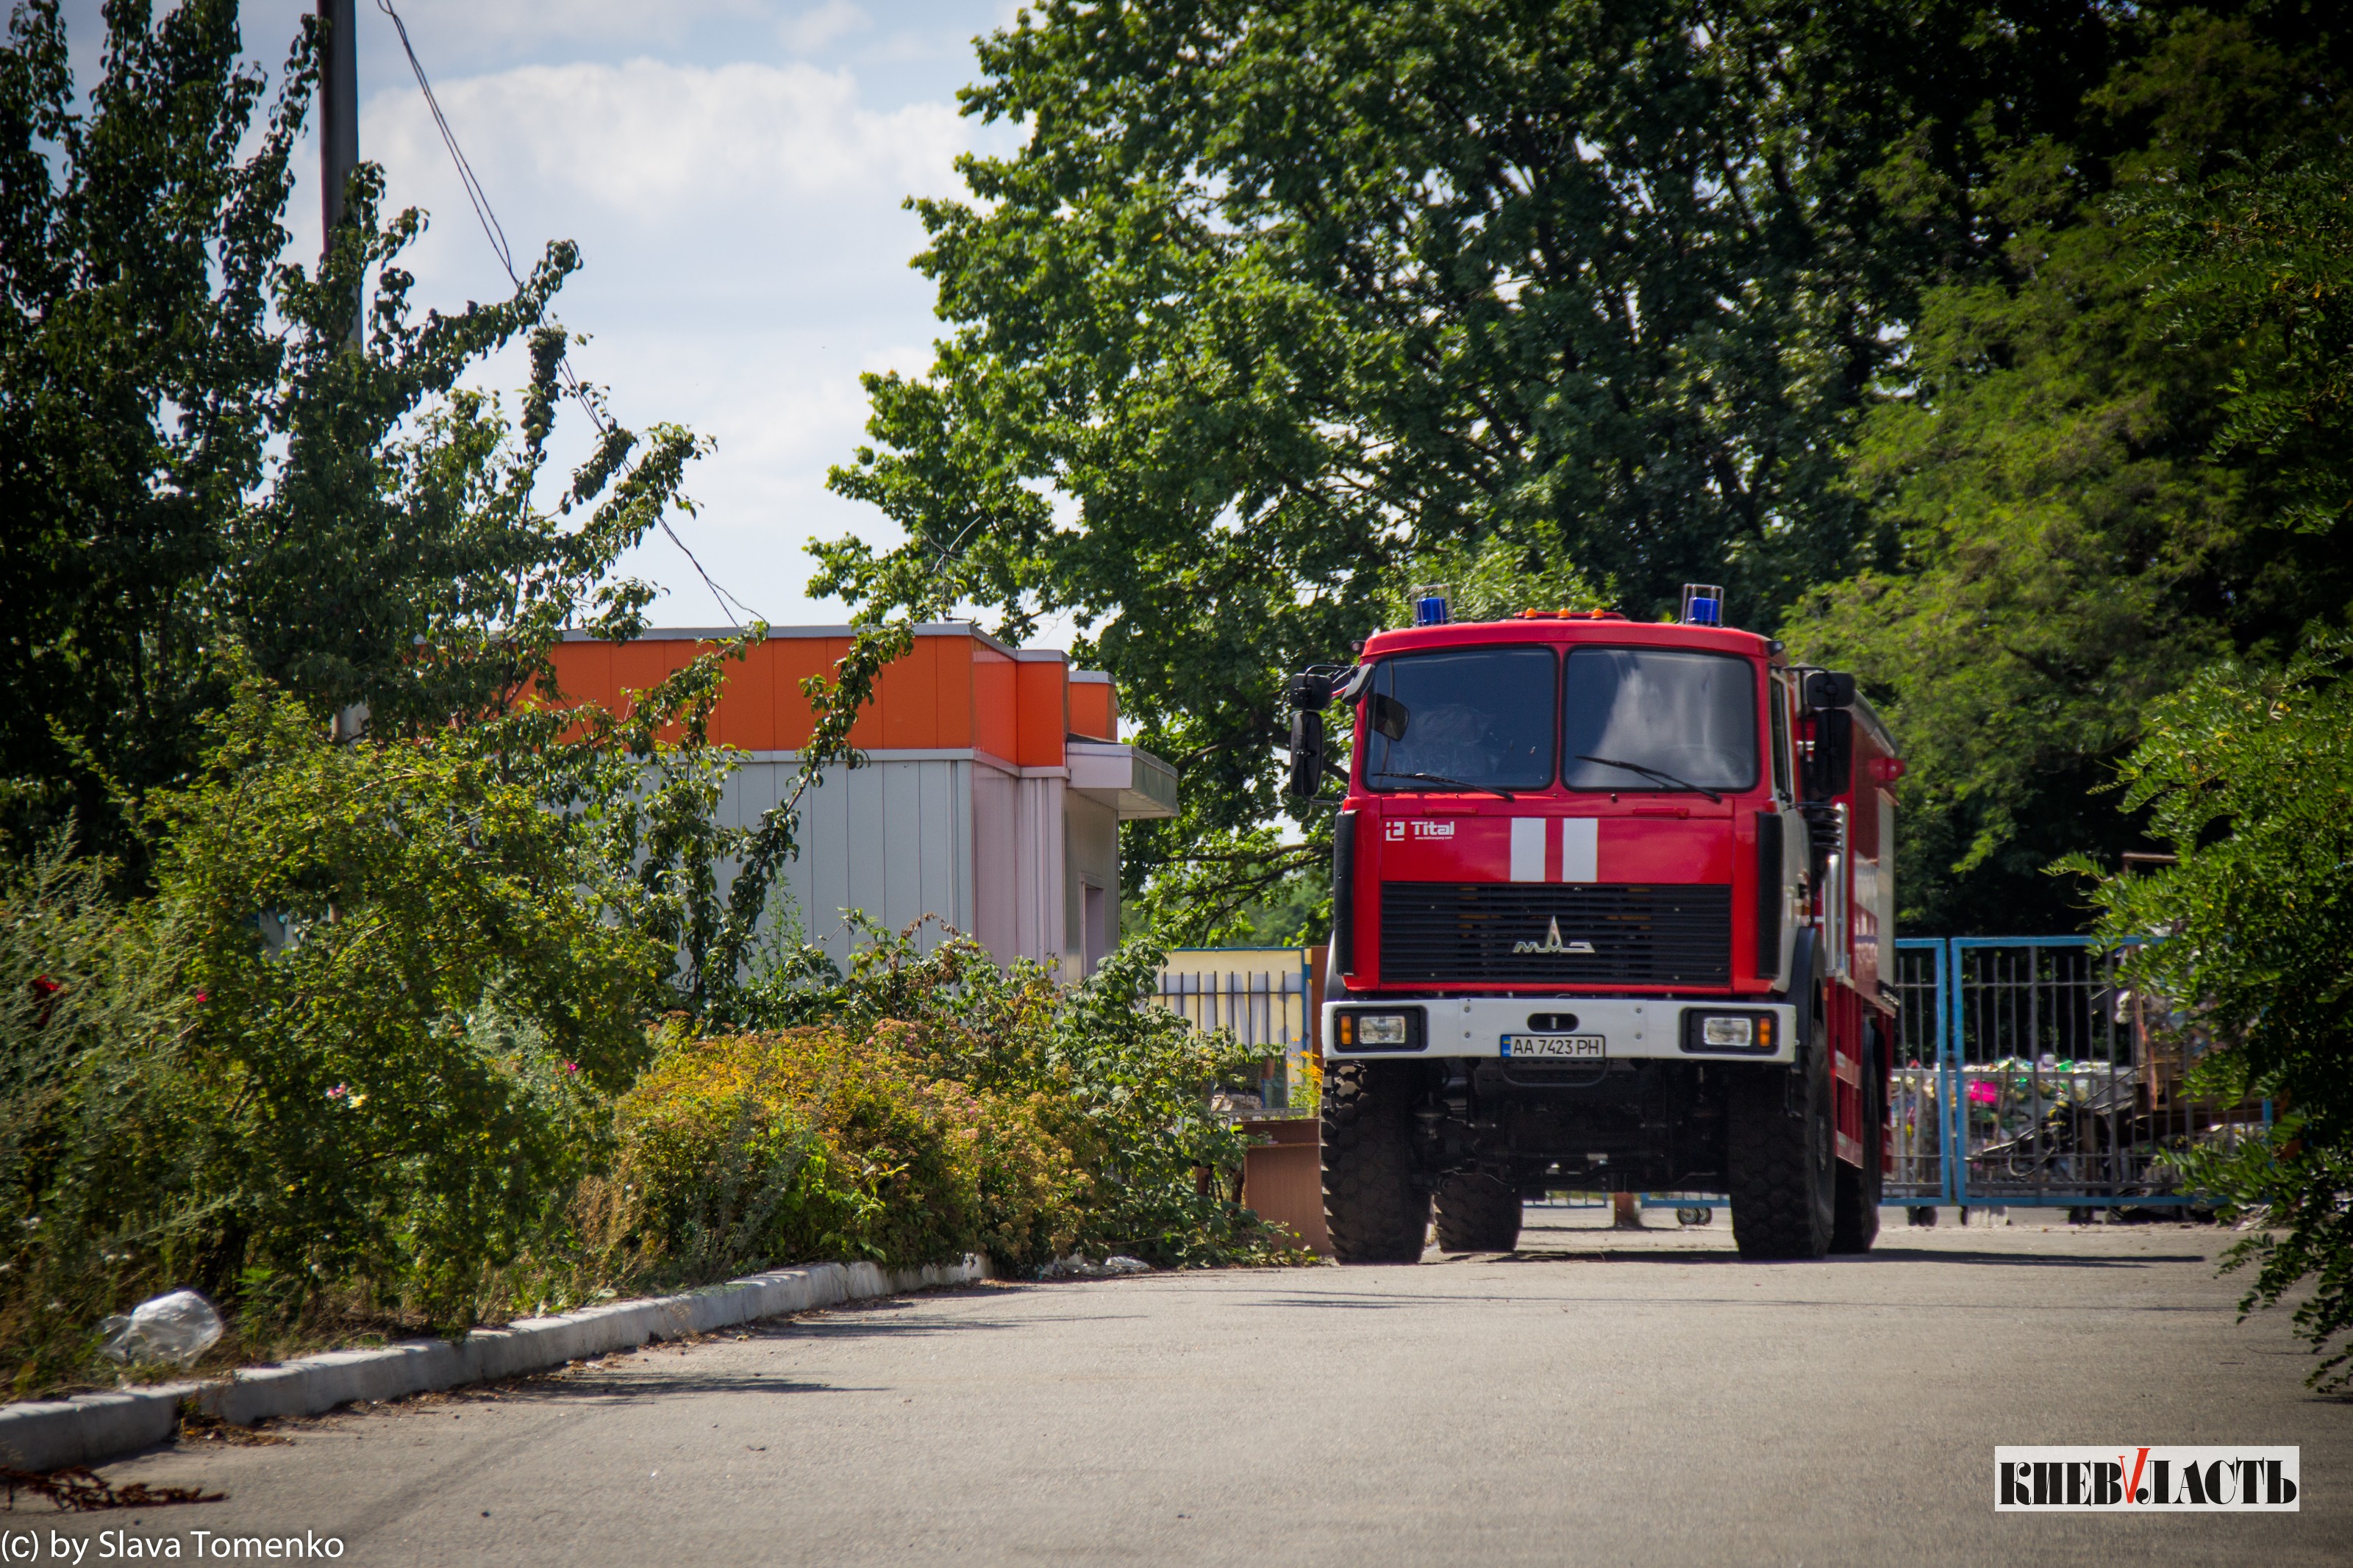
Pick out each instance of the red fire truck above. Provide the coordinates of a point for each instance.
(1613, 908)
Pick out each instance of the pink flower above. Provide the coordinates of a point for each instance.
(571, 1067)
(201, 996)
(340, 1091)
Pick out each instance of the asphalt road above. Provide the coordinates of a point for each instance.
(1597, 1397)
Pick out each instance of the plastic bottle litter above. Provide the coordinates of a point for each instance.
(176, 1328)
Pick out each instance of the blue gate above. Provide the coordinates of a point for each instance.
(2027, 1071)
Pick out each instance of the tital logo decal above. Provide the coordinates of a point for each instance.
(1552, 943)
(2101, 1481)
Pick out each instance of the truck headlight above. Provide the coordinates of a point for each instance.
(1370, 1031)
(1733, 1033)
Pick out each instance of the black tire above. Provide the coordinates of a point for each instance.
(1857, 1223)
(1374, 1207)
(1477, 1214)
(1784, 1194)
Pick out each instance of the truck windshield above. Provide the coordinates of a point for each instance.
(1476, 718)
(1690, 716)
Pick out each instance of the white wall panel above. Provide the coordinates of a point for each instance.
(901, 847)
(995, 855)
(991, 854)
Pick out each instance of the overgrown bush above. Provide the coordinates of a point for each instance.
(418, 1005)
(361, 1043)
(2248, 775)
(377, 1050)
(1123, 1085)
(812, 1143)
(103, 1128)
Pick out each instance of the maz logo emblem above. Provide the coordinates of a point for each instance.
(1552, 943)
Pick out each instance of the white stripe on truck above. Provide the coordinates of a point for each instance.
(1527, 848)
(1581, 851)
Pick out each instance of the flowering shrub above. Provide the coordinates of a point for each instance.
(1122, 1085)
(812, 1143)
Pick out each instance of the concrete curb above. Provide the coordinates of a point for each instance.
(91, 1428)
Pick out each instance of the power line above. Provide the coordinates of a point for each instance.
(493, 231)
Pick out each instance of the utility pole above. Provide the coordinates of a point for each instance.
(338, 129)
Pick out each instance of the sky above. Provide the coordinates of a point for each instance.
(734, 173)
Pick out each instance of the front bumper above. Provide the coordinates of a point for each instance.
(1475, 1026)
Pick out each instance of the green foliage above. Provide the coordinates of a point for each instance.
(808, 1144)
(2247, 774)
(1496, 577)
(137, 361)
(2262, 255)
(2072, 546)
(1276, 299)
(1123, 1084)
(398, 555)
(420, 986)
(193, 460)
(103, 1123)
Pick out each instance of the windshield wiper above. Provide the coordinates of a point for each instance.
(1443, 779)
(1662, 775)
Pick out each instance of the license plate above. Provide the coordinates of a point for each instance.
(1554, 1047)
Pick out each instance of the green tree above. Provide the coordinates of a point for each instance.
(2247, 775)
(2081, 527)
(418, 985)
(137, 360)
(2262, 257)
(192, 458)
(1275, 299)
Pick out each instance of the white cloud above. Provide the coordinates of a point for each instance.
(812, 31)
(659, 141)
(745, 256)
(541, 23)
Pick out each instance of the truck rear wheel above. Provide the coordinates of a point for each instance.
(1476, 1213)
(1857, 1226)
(1374, 1208)
(1779, 1163)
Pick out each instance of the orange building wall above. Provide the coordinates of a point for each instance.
(1094, 710)
(948, 693)
(1042, 713)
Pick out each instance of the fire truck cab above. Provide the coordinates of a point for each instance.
(1613, 908)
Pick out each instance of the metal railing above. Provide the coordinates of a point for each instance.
(1261, 1005)
(2030, 1071)
(2024, 1070)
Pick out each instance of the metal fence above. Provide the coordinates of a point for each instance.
(1261, 1005)
(2029, 1071)
(2024, 1070)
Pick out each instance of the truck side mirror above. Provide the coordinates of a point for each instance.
(1307, 761)
(1827, 689)
(1309, 695)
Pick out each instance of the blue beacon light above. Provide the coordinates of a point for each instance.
(1703, 604)
(1430, 606)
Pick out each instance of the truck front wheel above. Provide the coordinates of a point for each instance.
(1374, 1205)
(1779, 1167)
(1476, 1213)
